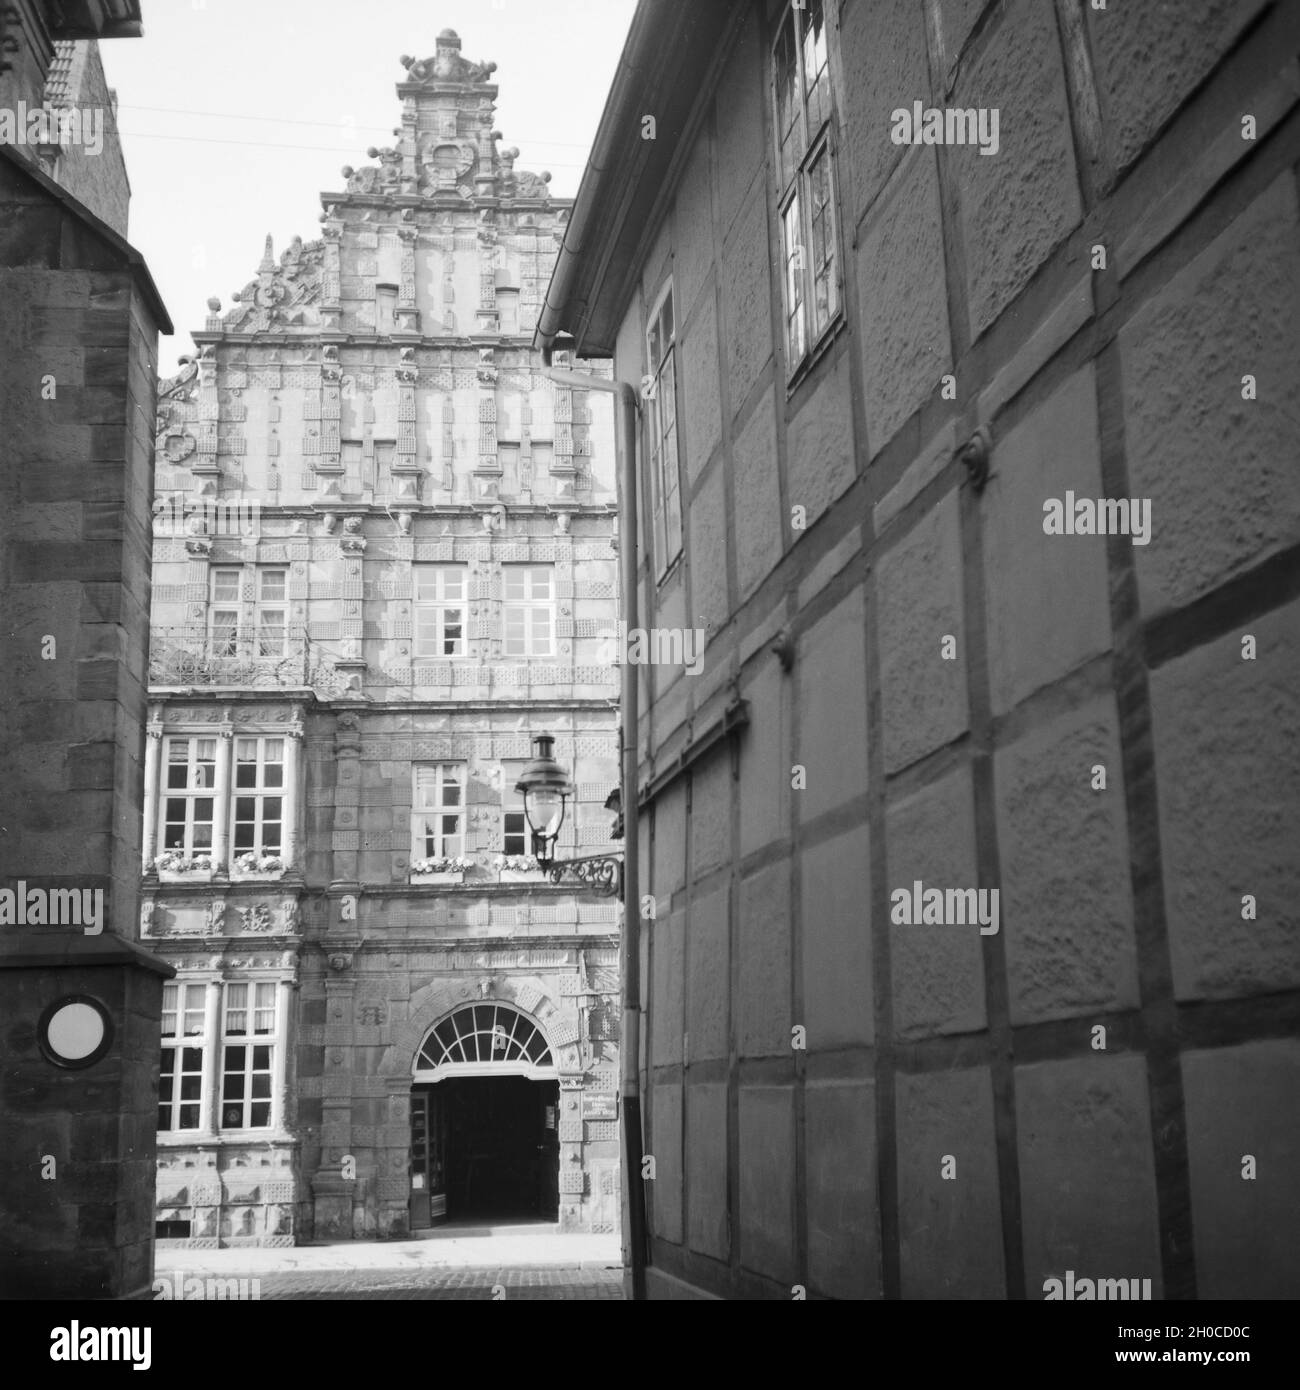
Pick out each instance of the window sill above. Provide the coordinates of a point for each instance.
(671, 573)
(804, 369)
(458, 876)
(190, 1138)
(257, 875)
(185, 876)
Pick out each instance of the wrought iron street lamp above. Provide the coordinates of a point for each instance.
(546, 791)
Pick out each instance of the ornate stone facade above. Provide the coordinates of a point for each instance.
(363, 426)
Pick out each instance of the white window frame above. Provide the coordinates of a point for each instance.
(385, 308)
(256, 627)
(525, 610)
(435, 598)
(200, 785)
(184, 1025)
(512, 804)
(508, 323)
(263, 1018)
(663, 452)
(224, 611)
(430, 788)
(809, 160)
(264, 789)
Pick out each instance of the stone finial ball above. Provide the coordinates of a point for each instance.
(347, 171)
(214, 305)
(372, 152)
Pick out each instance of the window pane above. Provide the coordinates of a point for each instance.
(823, 241)
(796, 330)
(788, 132)
(225, 586)
(816, 75)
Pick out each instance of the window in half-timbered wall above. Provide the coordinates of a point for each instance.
(805, 152)
(660, 394)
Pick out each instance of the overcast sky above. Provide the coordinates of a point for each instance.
(237, 114)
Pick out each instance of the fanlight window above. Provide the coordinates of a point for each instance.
(484, 1038)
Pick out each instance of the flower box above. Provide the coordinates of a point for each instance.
(448, 876)
(519, 868)
(253, 866)
(175, 867)
(185, 875)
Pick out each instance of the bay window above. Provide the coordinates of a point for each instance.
(222, 1056)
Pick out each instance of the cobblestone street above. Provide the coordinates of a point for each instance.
(457, 1261)
(484, 1284)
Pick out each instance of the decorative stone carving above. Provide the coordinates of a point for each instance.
(286, 295)
(446, 65)
(352, 542)
(256, 918)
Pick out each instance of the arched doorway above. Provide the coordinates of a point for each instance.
(484, 1119)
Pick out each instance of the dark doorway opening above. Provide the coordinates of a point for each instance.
(500, 1147)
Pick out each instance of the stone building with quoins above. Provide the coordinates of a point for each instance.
(382, 563)
(79, 324)
(865, 368)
